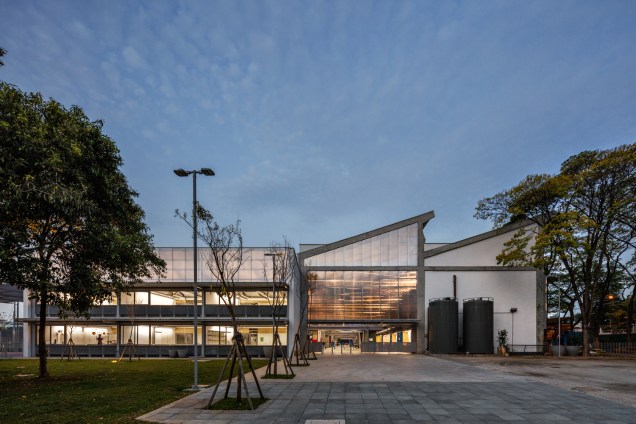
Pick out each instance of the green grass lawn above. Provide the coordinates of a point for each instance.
(95, 390)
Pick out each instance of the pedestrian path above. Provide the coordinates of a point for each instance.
(401, 389)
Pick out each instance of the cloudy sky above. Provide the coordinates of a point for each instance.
(323, 120)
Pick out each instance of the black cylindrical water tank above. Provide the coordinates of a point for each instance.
(478, 323)
(442, 325)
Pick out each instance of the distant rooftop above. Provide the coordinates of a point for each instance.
(9, 294)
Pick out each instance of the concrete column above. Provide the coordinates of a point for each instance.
(204, 330)
(203, 303)
(420, 333)
(542, 309)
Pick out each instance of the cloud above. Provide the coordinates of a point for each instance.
(336, 116)
(133, 58)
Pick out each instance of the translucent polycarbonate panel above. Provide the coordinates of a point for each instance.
(364, 295)
(256, 266)
(395, 248)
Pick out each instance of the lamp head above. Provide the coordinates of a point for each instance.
(207, 171)
(181, 172)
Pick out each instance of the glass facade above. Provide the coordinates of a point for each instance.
(394, 248)
(158, 314)
(153, 335)
(180, 265)
(88, 334)
(364, 295)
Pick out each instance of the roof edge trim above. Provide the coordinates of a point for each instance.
(479, 237)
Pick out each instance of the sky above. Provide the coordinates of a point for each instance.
(326, 119)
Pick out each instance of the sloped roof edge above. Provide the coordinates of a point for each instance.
(423, 218)
(479, 237)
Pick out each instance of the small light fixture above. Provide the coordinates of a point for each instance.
(207, 171)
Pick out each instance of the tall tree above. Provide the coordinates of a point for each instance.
(70, 230)
(584, 214)
(2, 53)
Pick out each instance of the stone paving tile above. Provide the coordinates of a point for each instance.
(404, 402)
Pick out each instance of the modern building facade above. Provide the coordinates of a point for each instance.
(375, 288)
(372, 290)
(158, 316)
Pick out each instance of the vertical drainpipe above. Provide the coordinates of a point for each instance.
(454, 286)
(420, 334)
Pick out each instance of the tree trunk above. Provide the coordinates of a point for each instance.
(42, 353)
(586, 340)
(630, 316)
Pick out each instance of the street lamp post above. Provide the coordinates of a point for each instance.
(183, 173)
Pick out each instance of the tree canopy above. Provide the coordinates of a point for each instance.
(70, 230)
(586, 215)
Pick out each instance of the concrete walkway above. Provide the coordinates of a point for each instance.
(402, 389)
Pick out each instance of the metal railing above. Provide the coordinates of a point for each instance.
(398, 347)
(154, 351)
(616, 348)
(173, 311)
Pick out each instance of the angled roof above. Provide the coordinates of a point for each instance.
(480, 237)
(423, 218)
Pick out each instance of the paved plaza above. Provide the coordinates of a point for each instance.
(403, 389)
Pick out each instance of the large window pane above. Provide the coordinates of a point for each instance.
(364, 295)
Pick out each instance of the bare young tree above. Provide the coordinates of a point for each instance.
(224, 258)
(282, 267)
(70, 351)
(131, 311)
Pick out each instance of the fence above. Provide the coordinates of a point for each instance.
(605, 348)
(10, 349)
(616, 348)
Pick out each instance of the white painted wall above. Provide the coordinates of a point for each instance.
(509, 289)
(482, 253)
